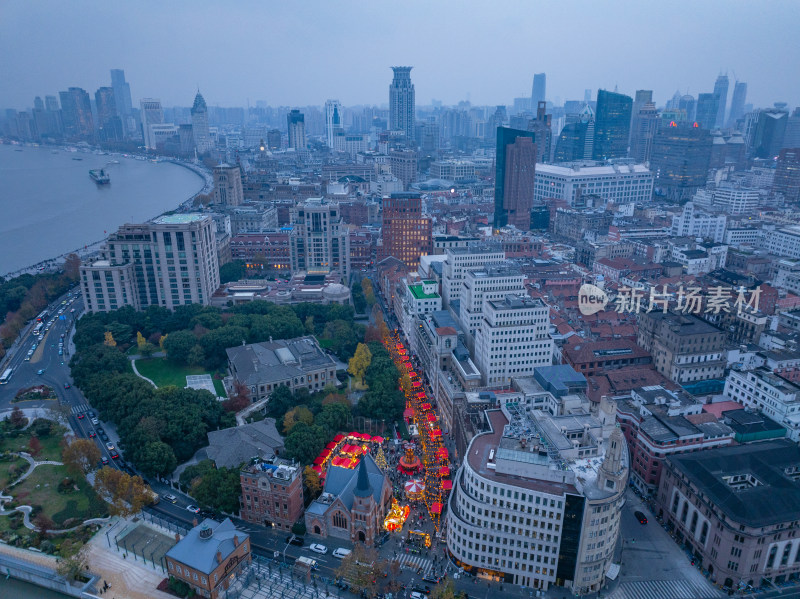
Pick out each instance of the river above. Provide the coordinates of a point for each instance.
(49, 206)
(24, 590)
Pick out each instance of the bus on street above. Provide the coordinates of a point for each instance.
(6, 376)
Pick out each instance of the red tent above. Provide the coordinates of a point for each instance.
(366, 437)
(431, 417)
(377, 439)
(421, 395)
(331, 445)
(338, 438)
(408, 413)
(317, 469)
(447, 485)
(355, 435)
(441, 453)
(436, 507)
(325, 453)
(416, 384)
(408, 364)
(444, 471)
(425, 407)
(318, 461)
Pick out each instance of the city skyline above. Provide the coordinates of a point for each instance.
(48, 58)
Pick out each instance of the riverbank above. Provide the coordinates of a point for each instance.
(51, 199)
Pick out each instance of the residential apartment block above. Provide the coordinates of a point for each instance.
(762, 390)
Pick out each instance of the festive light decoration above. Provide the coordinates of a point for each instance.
(396, 517)
(380, 459)
(434, 454)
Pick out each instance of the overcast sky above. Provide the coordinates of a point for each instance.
(303, 52)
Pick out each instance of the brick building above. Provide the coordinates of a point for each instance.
(272, 493)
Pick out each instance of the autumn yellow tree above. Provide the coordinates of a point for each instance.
(127, 494)
(109, 340)
(312, 482)
(360, 362)
(369, 292)
(295, 415)
(140, 340)
(161, 342)
(81, 456)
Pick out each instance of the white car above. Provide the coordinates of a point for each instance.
(317, 548)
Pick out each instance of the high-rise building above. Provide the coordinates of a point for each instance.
(139, 265)
(645, 125)
(688, 105)
(228, 185)
(721, 91)
(122, 99)
(539, 89)
(76, 111)
(37, 103)
(151, 114)
(576, 140)
(680, 159)
(297, 130)
(200, 131)
(542, 128)
(406, 231)
(612, 124)
(642, 97)
(767, 138)
(320, 242)
(737, 103)
(109, 125)
(707, 109)
(401, 102)
(791, 135)
(787, 174)
(404, 164)
(514, 177)
(333, 121)
(51, 103)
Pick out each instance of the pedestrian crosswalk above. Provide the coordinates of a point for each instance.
(666, 589)
(415, 562)
(80, 409)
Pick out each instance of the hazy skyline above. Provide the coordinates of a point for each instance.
(304, 53)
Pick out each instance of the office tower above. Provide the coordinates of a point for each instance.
(122, 98)
(320, 242)
(76, 110)
(51, 103)
(404, 164)
(127, 273)
(721, 91)
(38, 104)
(406, 232)
(612, 122)
(109, 124)
(297, 130)
(640, 98)
(515, 166)
(542, 128)
(333, 121)
(538, 91)
(767, 138)
(274, 141)
(228, 185)
(679, 160)
(576, 140)
(688, 106)
(707, 108)
(645, 125)
(151, 114)
(787, 175)
(791, 136)
(401, 102)
(200, 132)
(587, 96)
(737, 102)
(624, 184)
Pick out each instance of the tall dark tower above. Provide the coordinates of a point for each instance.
(721, 91)
(401, 102)
(612, 124)
(515, 166)
(539, 89)
(737, 103)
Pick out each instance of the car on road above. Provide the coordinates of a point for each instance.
(169, 497)
(95, 421)
(67, 385)
(640, 517)
(431, 579)
(81, 416)
(103, 437)
(40, 371)
(104, 459)
(295, 540)
(317, 548)
(341, 553)
(416, 595)
(114, 455)
(110, 446)
(92, 414)
(424, 590)
(92, 434)
(193, 508)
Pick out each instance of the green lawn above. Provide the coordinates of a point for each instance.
(163, 373)
(6, 467)
(51, 445)
(41, 489)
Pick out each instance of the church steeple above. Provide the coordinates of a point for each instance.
(613, 472)
(363, 488)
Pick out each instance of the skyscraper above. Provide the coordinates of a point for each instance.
(406, 232)
(401, 102)
(539, 89)
(611, 125)
(576, 140)
(76, 109)
(333, 121)
(200, 132)
(515, 166)
(151, 113)
(109, 124)
(737, 102)
(122, 100)
(787, 175)
(707, 108)
(679, 159)
(645, 126)
(543, 132)
(688, 105)
(297, 130)
(642, 97)
(320, 240)
(721, 91)
(228, 185)
(767, 138)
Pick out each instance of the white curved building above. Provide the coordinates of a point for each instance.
(537, 500)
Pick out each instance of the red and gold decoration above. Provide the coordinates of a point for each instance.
(397, 516)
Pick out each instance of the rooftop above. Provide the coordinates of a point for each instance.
(417, 290)
(179, 219)
(201, 553)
